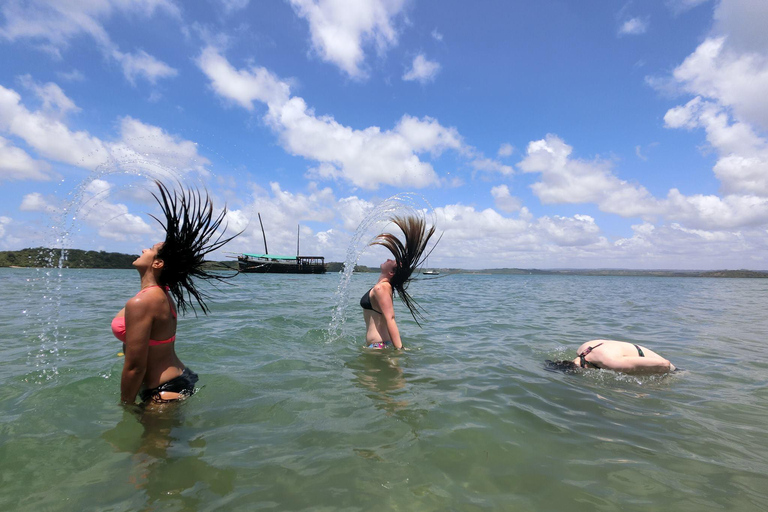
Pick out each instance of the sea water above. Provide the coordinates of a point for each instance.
(289, 418)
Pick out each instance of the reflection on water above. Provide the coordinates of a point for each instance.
(380, 375)
(167, 464)
(467, 419)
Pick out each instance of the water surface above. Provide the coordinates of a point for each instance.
(466, 419)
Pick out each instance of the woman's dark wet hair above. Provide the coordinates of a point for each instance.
(560, 366)
(409, 255)
(190, 233)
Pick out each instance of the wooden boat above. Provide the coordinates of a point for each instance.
(273, 264)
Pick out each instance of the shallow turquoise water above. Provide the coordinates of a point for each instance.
(466, 419)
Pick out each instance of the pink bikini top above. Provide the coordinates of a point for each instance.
(118, 323)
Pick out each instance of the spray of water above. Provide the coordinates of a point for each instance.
(401, 204)
(44, 297)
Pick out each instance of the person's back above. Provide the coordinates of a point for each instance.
(621, 356)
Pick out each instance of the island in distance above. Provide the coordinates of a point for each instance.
(76, 258)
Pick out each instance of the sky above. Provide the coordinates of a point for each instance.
(546, 134)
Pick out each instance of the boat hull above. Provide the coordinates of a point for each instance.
(257, 266)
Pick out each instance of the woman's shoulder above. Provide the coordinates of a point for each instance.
(148, 297)
(382, 286)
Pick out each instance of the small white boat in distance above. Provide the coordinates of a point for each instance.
(432, 272)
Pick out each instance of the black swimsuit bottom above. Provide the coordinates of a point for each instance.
(184, 385)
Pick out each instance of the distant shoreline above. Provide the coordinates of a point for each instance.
(611, 272)
(41, 257)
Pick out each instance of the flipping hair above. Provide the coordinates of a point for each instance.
(561, 366)
(408, 256)
(190, 234)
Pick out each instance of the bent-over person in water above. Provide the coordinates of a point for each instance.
(619, 356)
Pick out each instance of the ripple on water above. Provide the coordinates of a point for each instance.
(467, 418)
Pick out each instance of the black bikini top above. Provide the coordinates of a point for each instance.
(365, 302)
(583, 355)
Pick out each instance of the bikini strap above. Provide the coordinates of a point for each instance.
(589, 349)
(583, 361)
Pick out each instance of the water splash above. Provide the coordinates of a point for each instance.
(400, 204)
(46, 331)
(42, 310)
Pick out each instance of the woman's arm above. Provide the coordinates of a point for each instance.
(138, 325)
(383, 294)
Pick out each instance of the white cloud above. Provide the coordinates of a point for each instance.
(231, 6)
(743, 173)
(679, 6)
(728, 74)
(58, 22)
(568, 180)
(340, 28)
(52, 24)
(49, 136)
(506, 149)
(141, 64)
(744, 23)
(55, 102)
(634, 26)
(367, 158)
(111, 220)
(243, 86)
(281, 211)
(351, 211)
(427, 134)
(735, 80)
(422, 70)
(570, 231)
(487, 239)
(488, 165)
(484, 237)
(155, 151)
(36, 202)
(712, 213)
(437, 36)
(4, 221)
(16, 164)
(675, 246)
(480, 235)
(142, 148)
(743, 163)
(504, 200)
(71, 76)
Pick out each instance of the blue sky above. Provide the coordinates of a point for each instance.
(544, 134)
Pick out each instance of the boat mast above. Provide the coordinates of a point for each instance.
(266, 251)
(298, 227)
